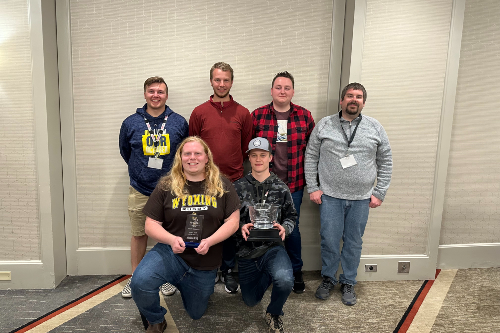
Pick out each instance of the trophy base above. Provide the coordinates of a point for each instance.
(259, 235)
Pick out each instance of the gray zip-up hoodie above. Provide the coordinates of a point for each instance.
(370, 148)
(251, 191)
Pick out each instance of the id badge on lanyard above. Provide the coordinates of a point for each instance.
(156, 162)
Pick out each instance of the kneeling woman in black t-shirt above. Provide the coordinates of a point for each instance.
(193, 194)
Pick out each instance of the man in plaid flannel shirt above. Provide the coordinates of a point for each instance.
(287, 127)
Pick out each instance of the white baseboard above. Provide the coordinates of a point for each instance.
(26, 275)
(462, 256)
(92, 261)
(387, 266)
(103, 261)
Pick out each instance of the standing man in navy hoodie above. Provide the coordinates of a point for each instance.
(148, 142)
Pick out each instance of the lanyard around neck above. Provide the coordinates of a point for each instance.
(349, 140)
(156, 137)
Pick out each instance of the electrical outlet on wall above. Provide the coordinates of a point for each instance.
(371, 268)
(403, 267)
(5, 276)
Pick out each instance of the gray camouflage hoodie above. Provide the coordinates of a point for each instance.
(251, 191)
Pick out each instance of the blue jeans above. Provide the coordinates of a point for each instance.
(161, 265)
(293, 243)
(257, 274)
(346, 220)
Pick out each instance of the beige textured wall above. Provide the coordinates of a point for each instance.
(403, 67)
(471, 212)
(116, 45)
(19, 222)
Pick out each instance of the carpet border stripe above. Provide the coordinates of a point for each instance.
(412, 309)
(26, 327)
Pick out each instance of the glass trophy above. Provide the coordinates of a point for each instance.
(262, 216)
(192, 232)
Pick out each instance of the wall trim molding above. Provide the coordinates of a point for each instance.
(116, 260)
(463, 256)
(22, 273)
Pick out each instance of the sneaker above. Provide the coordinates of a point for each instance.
(230, 283)
(157, 328)
(323, 291)
(217, 277)
(298, 284)
(127, 292)
(348, 294)
(275, 323)
(167, 289)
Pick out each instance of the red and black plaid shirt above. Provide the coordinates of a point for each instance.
(300, 126)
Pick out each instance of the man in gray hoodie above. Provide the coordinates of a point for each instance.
(347, 152)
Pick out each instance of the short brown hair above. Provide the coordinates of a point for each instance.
(284, 74)
(353, 86)
(223, 67)
(155, 79)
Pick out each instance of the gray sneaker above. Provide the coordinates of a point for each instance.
(323, 291)
(348, 294)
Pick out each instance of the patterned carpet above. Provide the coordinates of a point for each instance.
(472, 304)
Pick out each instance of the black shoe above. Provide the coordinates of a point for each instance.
(157, 328)
(275, 323)
(230, 283)
(298, 284)
(323, 291)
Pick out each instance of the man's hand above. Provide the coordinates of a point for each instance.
(316, 196)
(245, 230)
(178, 245)
(281, 229)
(375, 202)
(203, 247)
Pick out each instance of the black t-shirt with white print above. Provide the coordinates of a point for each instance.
(165, 207)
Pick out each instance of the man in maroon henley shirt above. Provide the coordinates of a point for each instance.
(226, 127)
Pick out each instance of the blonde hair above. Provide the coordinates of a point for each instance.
(175, 181)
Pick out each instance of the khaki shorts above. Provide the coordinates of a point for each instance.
(136, 202)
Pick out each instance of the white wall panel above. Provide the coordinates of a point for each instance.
(116, 45)
(471, 212)
(19, 220)
(403, 69)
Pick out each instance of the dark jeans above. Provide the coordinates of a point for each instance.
(257, 274)
(161, 265)
(228, 254)
(293, 243)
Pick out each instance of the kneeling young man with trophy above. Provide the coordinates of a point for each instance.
(267, 216)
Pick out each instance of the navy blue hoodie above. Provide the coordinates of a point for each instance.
(136, 146)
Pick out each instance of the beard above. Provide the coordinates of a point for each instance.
(219, 95)
(351, 111)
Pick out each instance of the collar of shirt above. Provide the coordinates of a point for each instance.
(219, 105)
(353, 122)
(291, 110)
